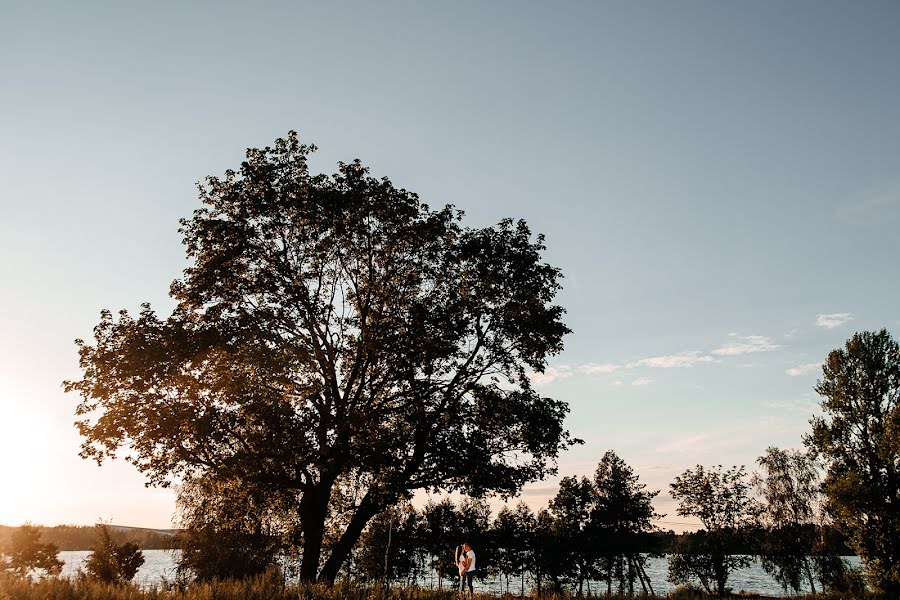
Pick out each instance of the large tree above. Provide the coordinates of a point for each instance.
(859, 438)
(334, 332)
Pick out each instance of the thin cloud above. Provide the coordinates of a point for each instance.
(801, 370)
(550, 375)
(642, 381)
(830, 321)
(674, 361)
(747, 344)
(591, 368)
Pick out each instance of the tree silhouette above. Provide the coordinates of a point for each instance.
(859, 439)
(111, 562)
(794, 525)
(24, 552)
(622, 512)
(228, 529)
(334, 332)
(721, 500)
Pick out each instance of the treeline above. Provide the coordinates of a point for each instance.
(82, 537)
(595, 530)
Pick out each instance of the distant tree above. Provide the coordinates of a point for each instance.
(230, 530)
(512, 533)
(545, 552)
(24, 552)
(475, 528)
(789, 484)
(111, 562)
(859, 439)
(334, 329)
(621, 514)
(441, 532)
(391, 547)
(721, 500)
(576, 552)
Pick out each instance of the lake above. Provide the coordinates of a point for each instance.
(160, 565)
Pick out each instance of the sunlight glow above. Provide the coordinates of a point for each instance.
(24, 458)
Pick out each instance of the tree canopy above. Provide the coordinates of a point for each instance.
(333, 333)
(111, 562)
(24, 552)
(721, 499)
(858, 436)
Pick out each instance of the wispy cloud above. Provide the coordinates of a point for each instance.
(802, 369)
(832, 320)
(746, 344)
(591, 368)
(674, 361)
(738, 345)
(551, 374)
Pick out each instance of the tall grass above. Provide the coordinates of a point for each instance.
(266, 587)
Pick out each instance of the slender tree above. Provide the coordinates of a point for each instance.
(622, 513)
(575, 551)
(441, 532)
(790, 486)
(858, 436)
(722, 501)
(391, 548)
(333, 331)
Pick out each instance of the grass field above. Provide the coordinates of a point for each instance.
(270, 588)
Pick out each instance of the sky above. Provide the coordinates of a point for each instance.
(719, 183)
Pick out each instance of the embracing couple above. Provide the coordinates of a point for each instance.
(465, 560)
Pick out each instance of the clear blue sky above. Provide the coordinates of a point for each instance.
(720, 183)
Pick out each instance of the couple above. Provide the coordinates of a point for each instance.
(465, 560)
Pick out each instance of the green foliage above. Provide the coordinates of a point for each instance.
(858, 436)
(597, 527)
(441, 526)
(513, 534)
(790, 485)
(721, 500)
(25, 552)
(391, 546)
(334, 331)
(230, 530)
(621, 518)
(111, 562)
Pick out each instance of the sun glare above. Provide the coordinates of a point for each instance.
(24, 473)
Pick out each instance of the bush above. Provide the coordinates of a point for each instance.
(111, 562)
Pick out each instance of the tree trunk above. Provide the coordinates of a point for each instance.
(809, 575)
(313, 509)
(647, 579)
(364, 513)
